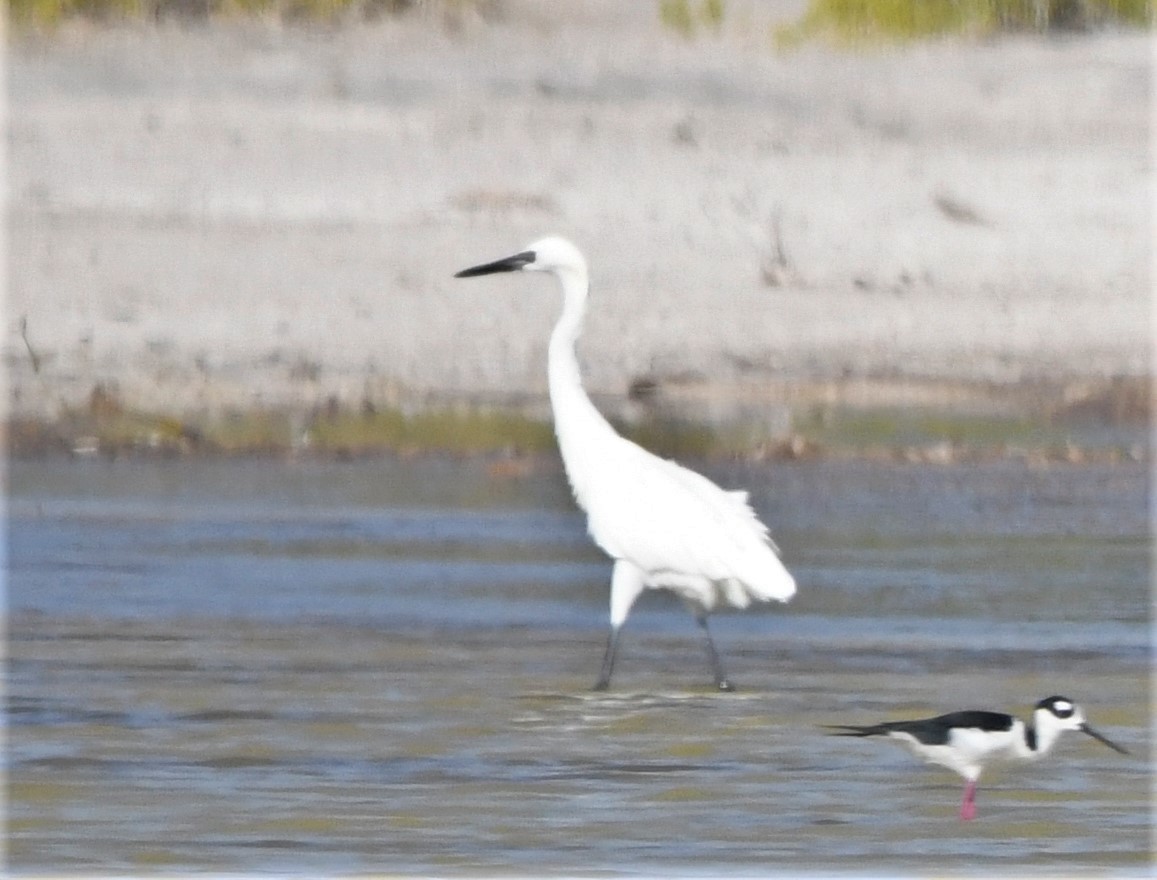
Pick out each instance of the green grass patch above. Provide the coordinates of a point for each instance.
(856, 428)
(49, 13)
(688, 17)
(867, 21)
(108, 427)
(454, 431)
(680, 439)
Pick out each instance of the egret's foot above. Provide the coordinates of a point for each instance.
(601, 685)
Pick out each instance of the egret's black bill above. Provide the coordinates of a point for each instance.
(506, 264)
(1086, 729)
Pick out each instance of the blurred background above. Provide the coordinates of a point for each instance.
(235, 227)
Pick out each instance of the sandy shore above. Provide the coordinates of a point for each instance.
(245, 215)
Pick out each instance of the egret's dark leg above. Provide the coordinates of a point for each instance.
(721, 681)
(608, 660)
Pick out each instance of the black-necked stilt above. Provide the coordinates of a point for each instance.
(666, 527)
(968, 741)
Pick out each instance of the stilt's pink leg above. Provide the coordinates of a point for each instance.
(968, 808)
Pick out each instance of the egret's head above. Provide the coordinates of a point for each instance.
(551, 254)
(554, 254)
(1055, 714)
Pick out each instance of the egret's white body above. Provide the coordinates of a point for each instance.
(967, 742)
(665, 526)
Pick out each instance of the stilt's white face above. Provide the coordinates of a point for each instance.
(1057, 714)
(1061, 713)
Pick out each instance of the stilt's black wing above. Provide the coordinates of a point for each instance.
(854, 730)
(935, 731)
(931, 731)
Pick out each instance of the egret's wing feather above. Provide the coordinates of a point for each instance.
(680, 528)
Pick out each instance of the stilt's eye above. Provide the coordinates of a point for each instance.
(1062, 708)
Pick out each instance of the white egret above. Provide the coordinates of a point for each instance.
(966, 742)
(665, 526)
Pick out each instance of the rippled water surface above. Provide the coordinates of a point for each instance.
(385, 666)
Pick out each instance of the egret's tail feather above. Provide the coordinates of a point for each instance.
(773, 581)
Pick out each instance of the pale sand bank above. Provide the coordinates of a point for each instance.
(248, 215)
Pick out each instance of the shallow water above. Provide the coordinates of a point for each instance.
(385, 666)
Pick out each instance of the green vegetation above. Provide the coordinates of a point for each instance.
(107, 427)
(846, 20)
(687, 16)
(854, 21)
(51, 12)
(456, 431)
(874, 428)
(48, 13)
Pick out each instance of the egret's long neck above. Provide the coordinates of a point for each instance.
(576, 421)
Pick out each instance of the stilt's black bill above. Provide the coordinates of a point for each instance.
(1116, 748)
(507, 264)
